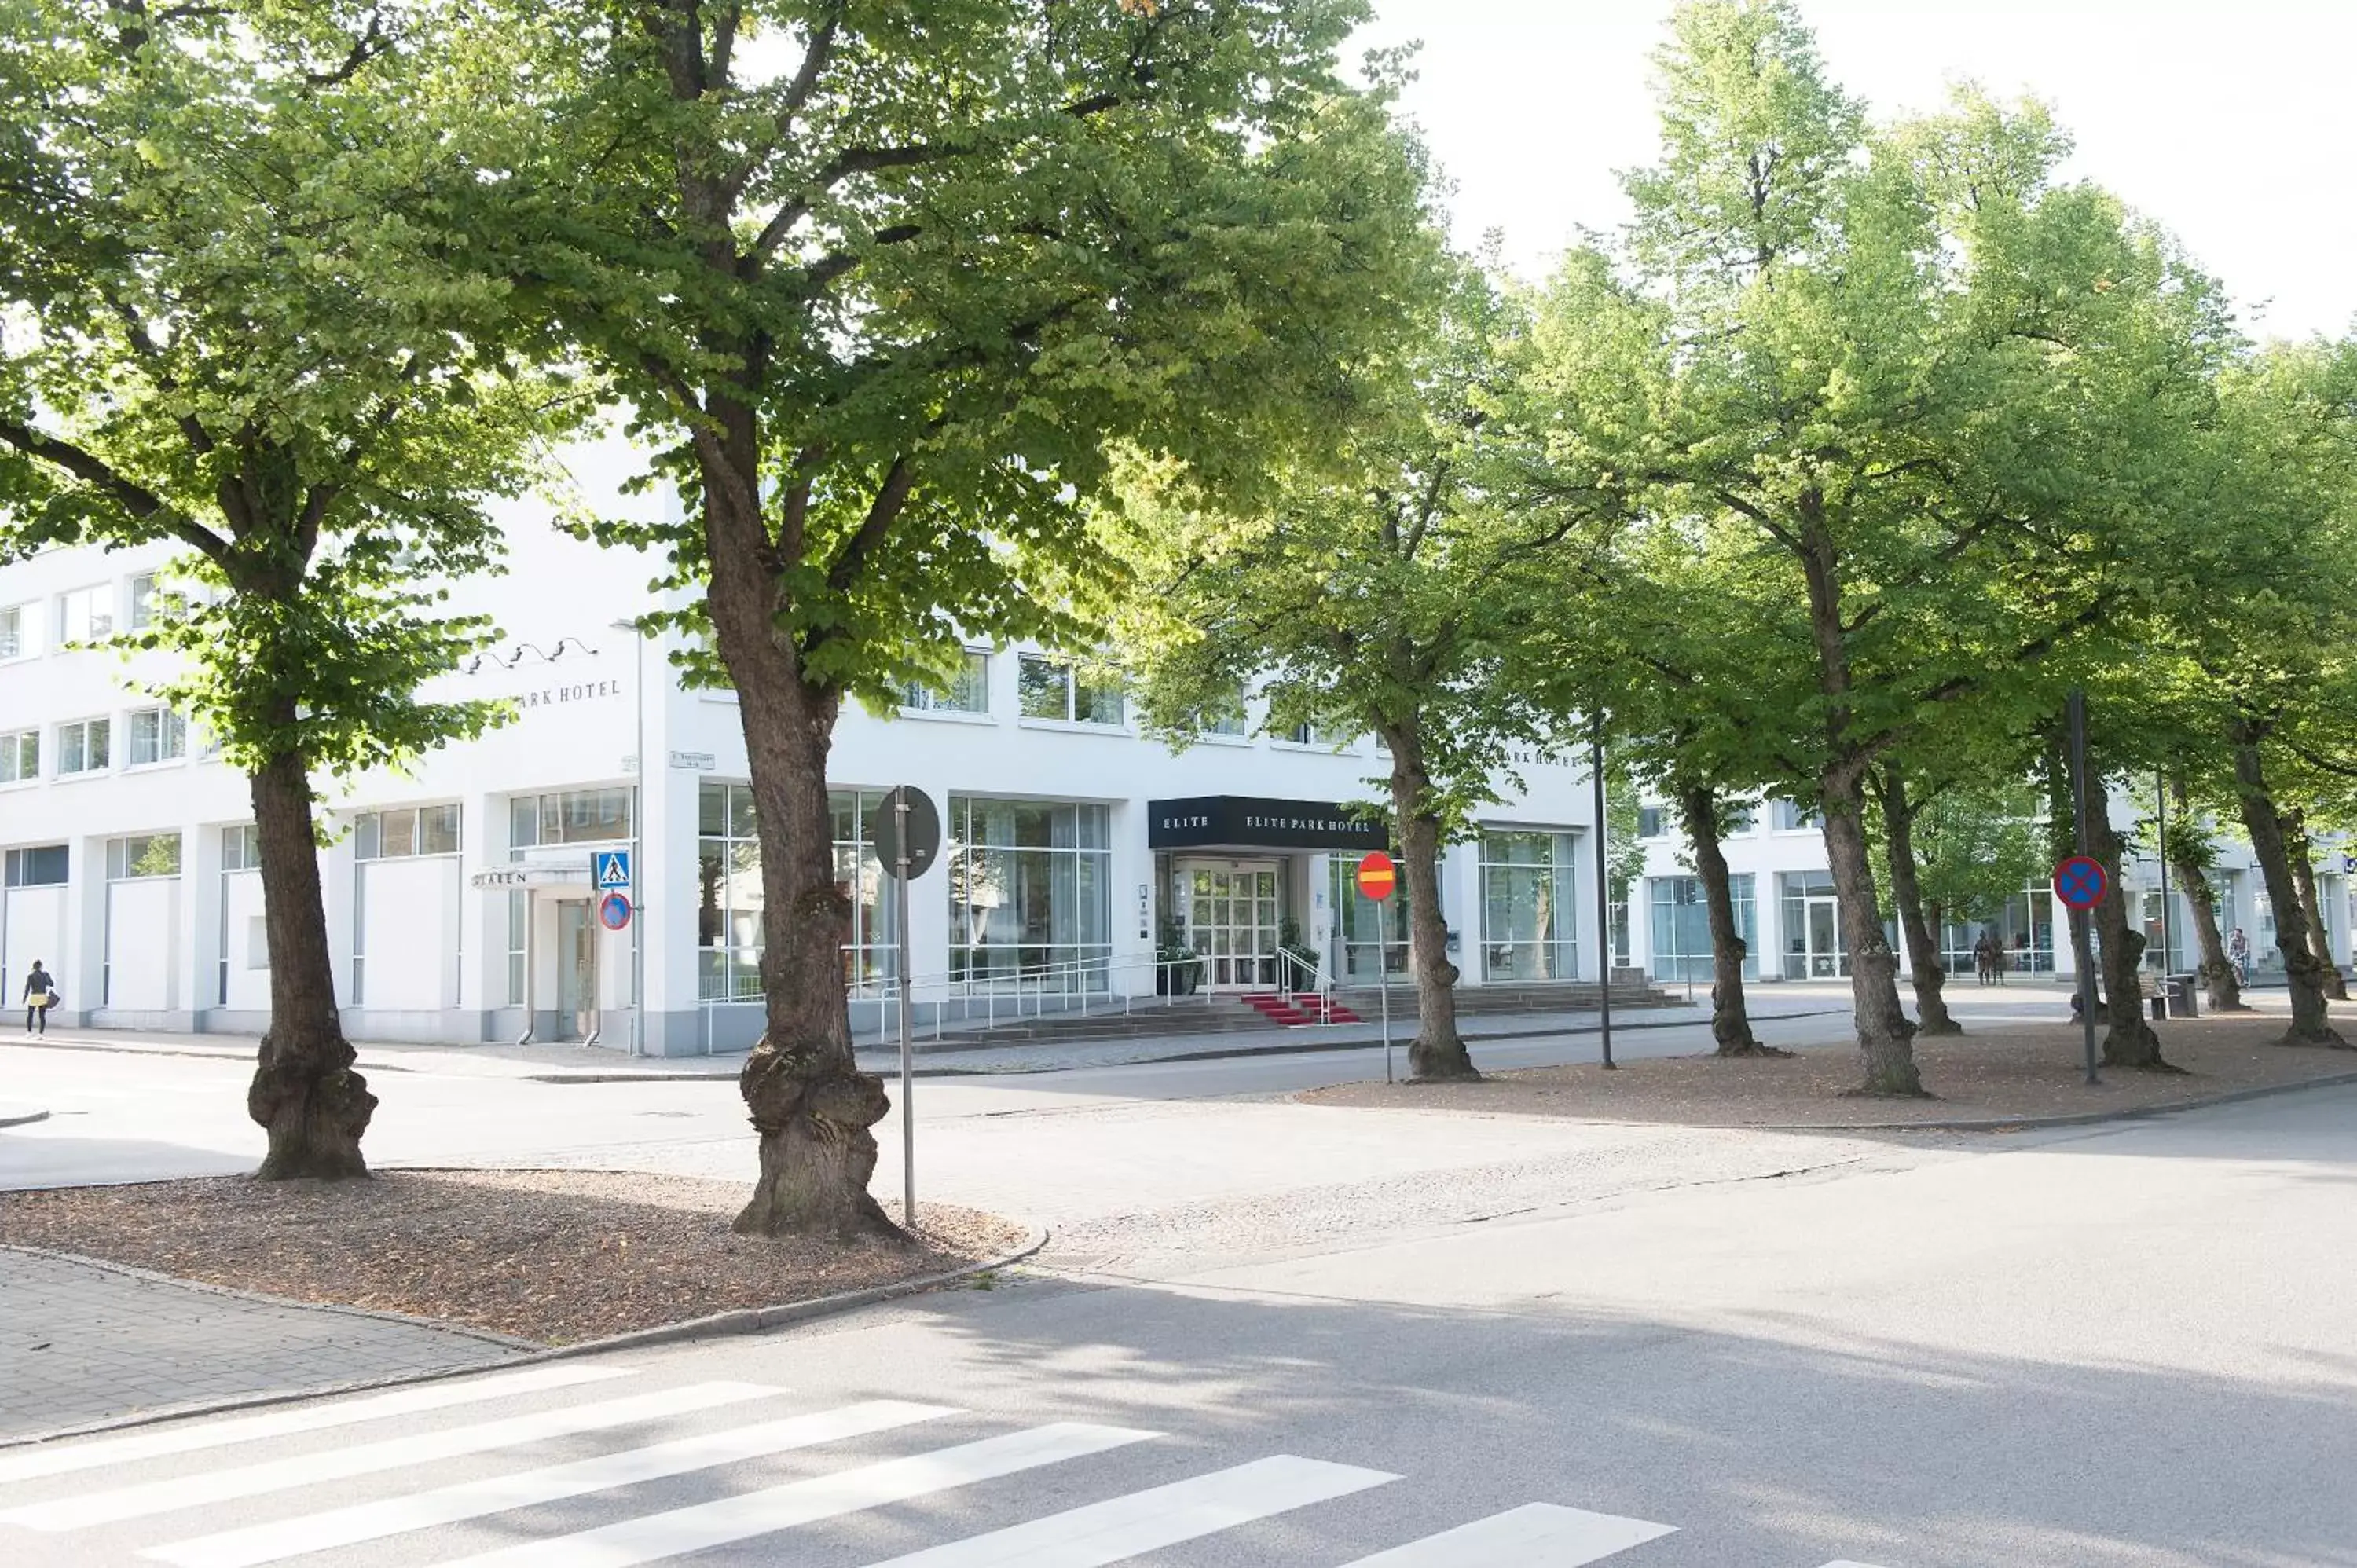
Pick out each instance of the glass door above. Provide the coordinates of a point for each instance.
(1824, 939)
(1232, 921)
(576, 970)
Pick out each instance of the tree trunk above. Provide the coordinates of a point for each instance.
(2303, 875)
(810, 1102)
(2218, 976)
(1907, 896)
(1731, 1019)
(2265, 825)
(305, 1093)
(2128, 1039)
(1438, 1052)
(1885, 1035)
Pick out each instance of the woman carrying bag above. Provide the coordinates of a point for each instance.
(40, 995)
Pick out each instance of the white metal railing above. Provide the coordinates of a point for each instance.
(1073, 985)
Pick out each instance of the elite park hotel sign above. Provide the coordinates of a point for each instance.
(1244, 822)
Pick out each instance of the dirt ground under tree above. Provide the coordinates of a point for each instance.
(552, 1257)
(1994, 1076)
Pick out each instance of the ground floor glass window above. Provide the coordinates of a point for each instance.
(1528, 904)
(1682, 927)
(1030, 889)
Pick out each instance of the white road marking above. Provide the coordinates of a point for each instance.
(497, 1494)
(67, 1457)
(1146, 1521)
(338, 1464)
(653, 1537)
(1536, 1535)
(1846, 1562)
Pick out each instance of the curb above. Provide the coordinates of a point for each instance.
(1232, 1053)
(746, 1320)
(22, 1118)
(2072, 1118)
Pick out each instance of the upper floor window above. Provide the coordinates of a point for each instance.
(969, 692)
(409, 831)
(142, 854)
(83, 747)
(242, 848)
(20, 756)
(15, 642)
(1792, 815)
(1652, 820)
(157, 735)
(577, 816)
(1051, 688)
(42, 867)
(1316, 734)
(1229, 720)
(144, 600)
(86, 614)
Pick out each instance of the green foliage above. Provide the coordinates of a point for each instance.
(916, 280)
(1976, 850)
(1376, 588)
(226, 329)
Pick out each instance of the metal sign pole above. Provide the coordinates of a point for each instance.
(2160, 832)
(907, 991)
(1603, 898)
(1383, 980)
(2077, 710)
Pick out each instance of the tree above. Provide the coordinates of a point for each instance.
(888, 306)
(1382, 588)
(219, 336)
(1894, 379)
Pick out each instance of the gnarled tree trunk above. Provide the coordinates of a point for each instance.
(1731, 1019)
(2265, 825)
(305, 1094)
(811, 1104)
(1907, 896)
(2223, 986)
(1438, 1051)
(2303, 875)
(2128, 1039)
(1885, 1034)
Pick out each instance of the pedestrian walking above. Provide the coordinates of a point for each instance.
(41, 994)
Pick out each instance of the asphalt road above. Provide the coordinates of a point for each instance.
(2109, 1348)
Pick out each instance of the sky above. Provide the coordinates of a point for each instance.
(2228, 122)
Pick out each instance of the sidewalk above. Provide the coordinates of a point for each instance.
(83, 1344)
(556, 1063)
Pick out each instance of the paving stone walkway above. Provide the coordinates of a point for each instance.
(80, 1344)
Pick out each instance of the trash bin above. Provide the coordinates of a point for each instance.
(2179, 990)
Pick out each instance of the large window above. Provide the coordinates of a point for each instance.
(411, 830)
(142, 854)
(41, 867)
(20, 756)
(1051, 688)
(969, 692)
(729, 902)
(1527, 905)
(577, 816)
(83, 747)
(157, 735)
(1681, 927)
(85, 614)
(1030, 894)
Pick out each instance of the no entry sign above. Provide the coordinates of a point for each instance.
(2081, 882)
(1377, 875)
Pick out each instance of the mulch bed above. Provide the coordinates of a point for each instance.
(1998, 1075)
(550, 1256)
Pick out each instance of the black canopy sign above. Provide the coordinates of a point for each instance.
(1244, 822)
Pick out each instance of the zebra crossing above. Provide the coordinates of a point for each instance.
(146, 1495)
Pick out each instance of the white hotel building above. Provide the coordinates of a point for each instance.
(459, 897)
(459, 900)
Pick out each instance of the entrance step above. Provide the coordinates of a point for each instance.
(1299, 1008)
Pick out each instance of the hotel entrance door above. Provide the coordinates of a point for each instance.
(1233, 921)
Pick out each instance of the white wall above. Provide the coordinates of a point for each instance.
(142, 950)
(33, 926)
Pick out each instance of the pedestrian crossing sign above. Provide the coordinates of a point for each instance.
(610, 870)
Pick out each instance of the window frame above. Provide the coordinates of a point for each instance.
(101, 597)
(170, 727)
(14, 744)
(920, 701)
(1075, 689)
(104, 726)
